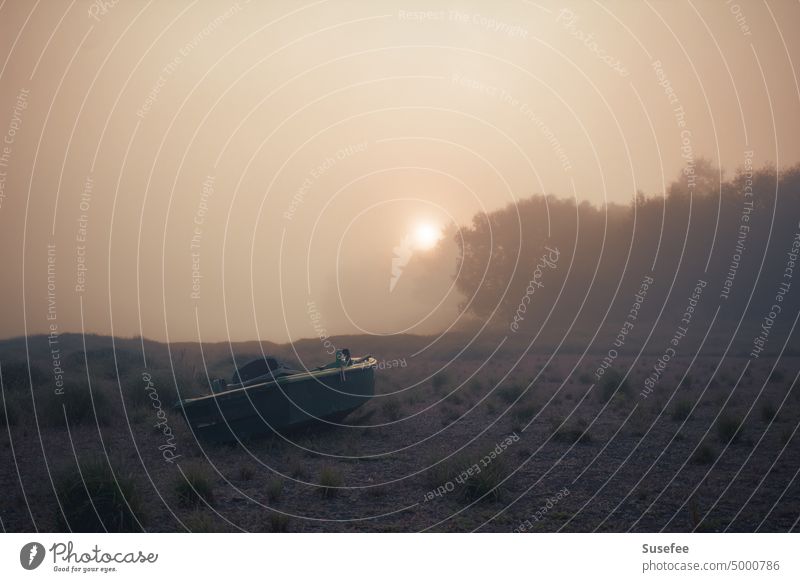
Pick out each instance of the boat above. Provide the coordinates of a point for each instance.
(266, 397)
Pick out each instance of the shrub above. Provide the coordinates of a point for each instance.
(486, 483)
(278, 522)
(456, 398)
(246, 473)
(768, 412)
(330, 481)
(449, 414)
(777, 376)
(9, 411)
(92, 499)
(194, 487)
(728, 429)
(200, 522)
(274, 489)
(80, 403)
(440, 380)
(391, 409)
(786, 436)
(681, 410)
(297, 470)
(445, 470)
(704, 455)
(573, 434)
(475, 386)
(585, 378)
(15, 375)
(612, 383)
(510, 392)
(471, 484)
(521, 415)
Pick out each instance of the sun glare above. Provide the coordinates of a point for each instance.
(426, 235)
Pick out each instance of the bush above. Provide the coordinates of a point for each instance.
(109, 362)
(9, 411)
(274, 489)
(92, 499)
(80, 403)
(573, 434)
(681, 410)
(330, 481)
(200, 522)
(449, 414)
(777, 376)
(194, 487)
(521, 415)
(768, 412)
(278, 522)
(391, 409)
(486, 484)
(15, 375)
(246, 473)
(612, 383)
(297, 470)
(440, 380)
(510, 393)
(728, 429)
(704, 455)
(445, 470)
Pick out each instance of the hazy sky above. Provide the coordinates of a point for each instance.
(207, 170)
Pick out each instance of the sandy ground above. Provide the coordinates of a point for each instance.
(470, 445)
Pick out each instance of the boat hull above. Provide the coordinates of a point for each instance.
(290, 403)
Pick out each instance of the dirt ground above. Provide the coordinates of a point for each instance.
(472, 444)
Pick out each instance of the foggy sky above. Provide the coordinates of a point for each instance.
(243, 170)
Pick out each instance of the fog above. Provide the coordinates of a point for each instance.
(210, 171)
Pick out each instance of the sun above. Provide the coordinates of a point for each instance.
(425, 236)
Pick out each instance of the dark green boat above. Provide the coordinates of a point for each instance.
(266, 397)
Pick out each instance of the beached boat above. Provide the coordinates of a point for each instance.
(265, 397)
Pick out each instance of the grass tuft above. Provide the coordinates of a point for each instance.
(729, 429)
(611, 384)
(278, 522)
(94, 501)
(704, 455)
(330, 480)
(194, 488)
(681, 410)
(274, 489)
(768, 412)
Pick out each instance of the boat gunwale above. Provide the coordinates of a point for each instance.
(368, 362)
